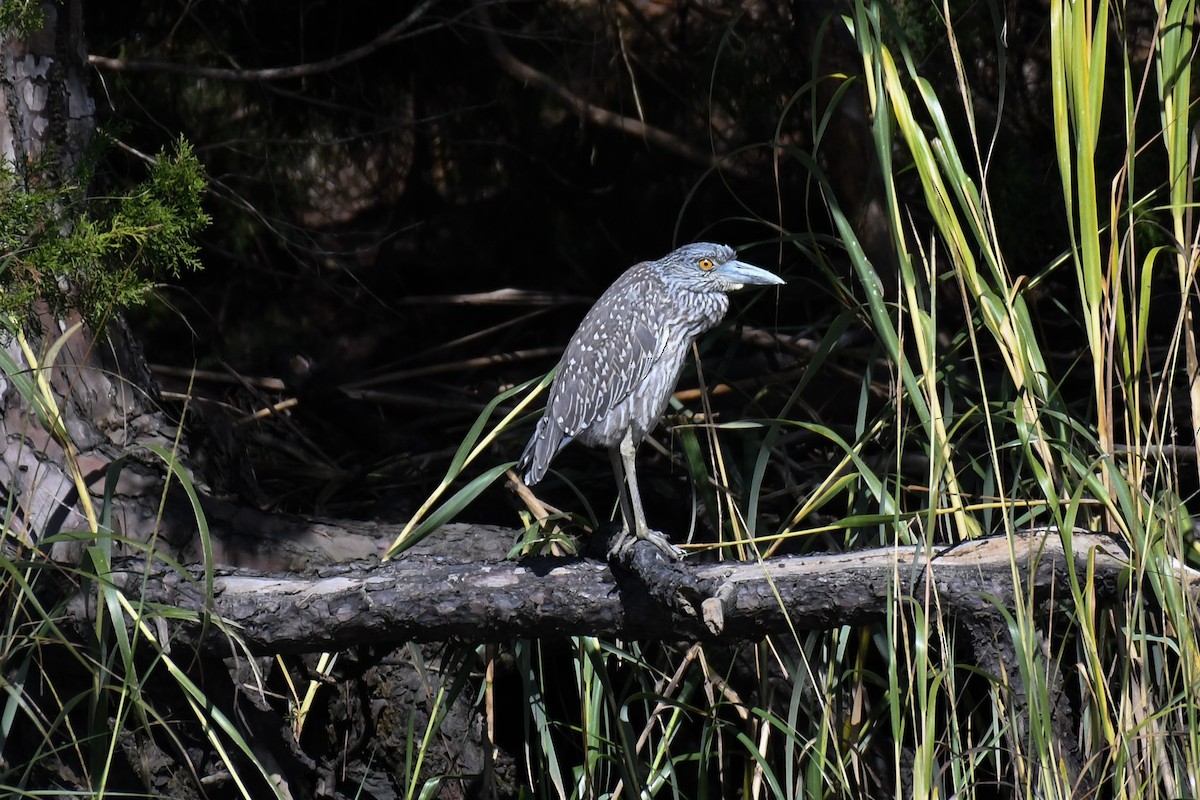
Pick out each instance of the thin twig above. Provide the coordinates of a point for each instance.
(212, 376)
(1168, 451)
(496, 297)
(454, 366)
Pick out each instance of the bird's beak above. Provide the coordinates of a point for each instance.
(738, 274)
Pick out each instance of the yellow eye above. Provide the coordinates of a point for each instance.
(705, 264)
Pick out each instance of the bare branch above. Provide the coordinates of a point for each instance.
(391, 35)
(588, 111)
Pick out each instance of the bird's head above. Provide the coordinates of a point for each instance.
(707, 267)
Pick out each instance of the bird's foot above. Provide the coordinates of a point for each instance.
(624, 542)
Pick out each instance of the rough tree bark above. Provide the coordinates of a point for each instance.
(48, 111)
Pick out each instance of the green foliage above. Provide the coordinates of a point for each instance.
(99, 254)
(19, 18)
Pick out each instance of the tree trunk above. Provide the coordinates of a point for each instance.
(98, 389)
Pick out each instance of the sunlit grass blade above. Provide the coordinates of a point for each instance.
(473, 444)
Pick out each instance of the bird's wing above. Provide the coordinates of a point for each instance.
(610, 354)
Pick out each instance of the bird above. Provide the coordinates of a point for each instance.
(620, 367)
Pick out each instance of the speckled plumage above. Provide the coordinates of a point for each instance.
(620, 368)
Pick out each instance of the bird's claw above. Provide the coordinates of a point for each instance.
(621, 547)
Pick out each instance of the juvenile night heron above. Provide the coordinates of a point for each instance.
(620, 368)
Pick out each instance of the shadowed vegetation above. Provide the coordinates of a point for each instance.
(985, 214)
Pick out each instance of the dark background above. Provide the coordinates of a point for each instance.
(354, 206)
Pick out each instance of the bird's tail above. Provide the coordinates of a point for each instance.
(546, 441)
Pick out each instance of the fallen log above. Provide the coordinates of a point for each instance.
(427, 597)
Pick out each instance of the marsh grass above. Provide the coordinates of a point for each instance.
(1088, 701)
(80, 706)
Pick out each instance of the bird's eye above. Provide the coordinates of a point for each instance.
(705, 264)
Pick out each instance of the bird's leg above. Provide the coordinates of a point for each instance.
(625, 456)
(629, 461)
(614, 455)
